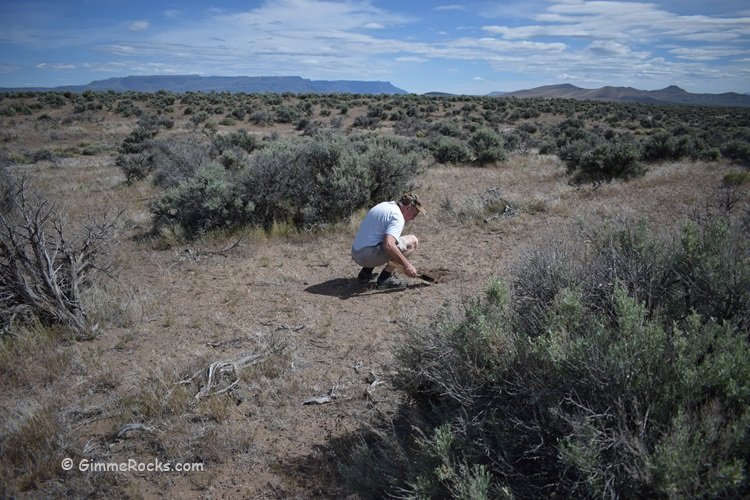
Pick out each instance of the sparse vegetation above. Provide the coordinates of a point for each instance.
(609, 359)
(621, 372)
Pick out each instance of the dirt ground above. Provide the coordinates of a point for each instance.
(293, 300)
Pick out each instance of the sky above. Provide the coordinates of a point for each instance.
(468, 47)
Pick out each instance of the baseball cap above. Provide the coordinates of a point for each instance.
(413, 200)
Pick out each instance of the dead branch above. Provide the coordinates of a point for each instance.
(222, 376)
(133, 427)
(44, 273)
(321, 400)
(224, 250)
(195, 255)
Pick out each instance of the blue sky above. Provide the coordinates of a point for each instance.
(469, 47)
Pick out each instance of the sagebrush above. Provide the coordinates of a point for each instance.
(620, 368)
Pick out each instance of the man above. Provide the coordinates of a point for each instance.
(379, 241)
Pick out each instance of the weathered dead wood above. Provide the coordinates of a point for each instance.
(43, 272)
(125, 429)
(190, 253)
(222, 376)
(326, 398)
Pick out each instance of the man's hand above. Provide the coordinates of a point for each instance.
(410, 270)
(390, 246)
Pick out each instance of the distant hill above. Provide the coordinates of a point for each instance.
(248, 84)
(668, 95)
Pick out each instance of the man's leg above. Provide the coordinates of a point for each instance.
(365, 274)
(369, 258)
(408, 245)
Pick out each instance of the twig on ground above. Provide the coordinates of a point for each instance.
(319, 400)
(133, 427)
(195, 255)
(224, 370)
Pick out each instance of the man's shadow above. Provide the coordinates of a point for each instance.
(346, 288)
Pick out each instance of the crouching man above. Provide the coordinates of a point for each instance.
(379, 241)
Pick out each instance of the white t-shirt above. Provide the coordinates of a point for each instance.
(384, 218)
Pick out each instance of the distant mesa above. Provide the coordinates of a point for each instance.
(248, 84)
(298, 85)
(669, 95)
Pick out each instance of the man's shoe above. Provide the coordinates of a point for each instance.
(366, 277)
(392, 282)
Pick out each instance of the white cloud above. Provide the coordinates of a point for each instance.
(282, 37)
(120, 49)
(55, 66)
(625, 21)
(315, 37)
(606, 48)
(450, 7)
(140, 25)
(706, 53)
(412, 59)
(618, 41)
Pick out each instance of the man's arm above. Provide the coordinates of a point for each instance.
(390, 246)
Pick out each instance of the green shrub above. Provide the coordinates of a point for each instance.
(736, 178)
(659, 147)
(451, 150)
(286, 114)
(233, 159)
(448, 128)
(640, 390)
(341, 179)
(239, 113)
(153, 122)
(277, 182)
(124, 107)
(677, 144)
(342, 189)
(137, 140)
(487, 146)
(369, 122)
(199, 118)
(738, 151)
(617, 160)
(135, 166)
(547, 270)
(518, 140)
(261, 118)
(392, 165)
(175, 160)
(52, 99)
(7, 189)
(43, 154)
(206, 200)
(239, 139)
(711, 272)
(94, 149)
(302, 182)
